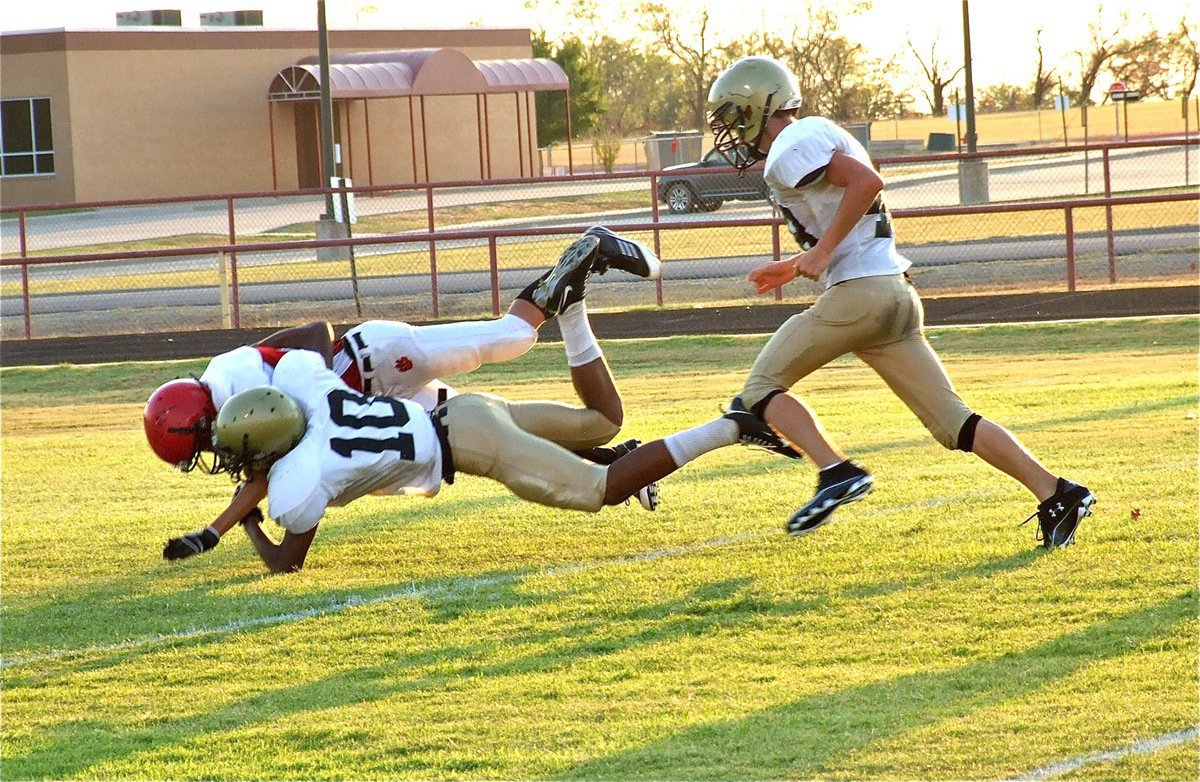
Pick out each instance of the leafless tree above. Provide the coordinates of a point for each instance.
(837, 77)
(1185, 58)
(935, 70)
(1105, 46)
(699, 55)
(1043, 79)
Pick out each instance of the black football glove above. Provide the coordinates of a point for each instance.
(191, 544)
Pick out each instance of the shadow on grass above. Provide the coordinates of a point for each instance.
(69, 749)
(806, 738)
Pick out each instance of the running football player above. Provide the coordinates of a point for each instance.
(830, 195)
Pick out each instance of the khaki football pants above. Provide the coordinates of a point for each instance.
(880, 320)
(527, 447)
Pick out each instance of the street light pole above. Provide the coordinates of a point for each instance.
(969, 78)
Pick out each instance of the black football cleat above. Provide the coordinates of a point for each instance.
(603, 454)
(837, 485)
(617, 252)
(564, 285)
(1059, 515)
(756, 432)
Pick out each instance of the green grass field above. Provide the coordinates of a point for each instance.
(473, 636)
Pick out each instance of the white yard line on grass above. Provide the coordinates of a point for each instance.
(1143, 747)
(458, 586)
(455, 587)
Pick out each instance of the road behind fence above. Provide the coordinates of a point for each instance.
(1058, 219)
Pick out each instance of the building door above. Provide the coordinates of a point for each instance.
(308, 142)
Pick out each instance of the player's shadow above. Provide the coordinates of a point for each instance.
(1099, 415)
(71, 748)
(196, 593)
(204, 616)
(806, 738)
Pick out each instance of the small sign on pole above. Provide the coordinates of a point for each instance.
(956, 112)
(339, 182)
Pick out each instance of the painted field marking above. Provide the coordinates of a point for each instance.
(1143, 747)
(458, 586)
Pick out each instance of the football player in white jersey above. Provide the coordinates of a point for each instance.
(400, 359)
(308, 441)
(827, 188)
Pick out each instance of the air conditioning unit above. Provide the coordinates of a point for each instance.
(231, 19)
(164, 18)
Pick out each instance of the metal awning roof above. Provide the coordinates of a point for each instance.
(415, 72)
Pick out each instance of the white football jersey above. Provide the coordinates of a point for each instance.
(804, 147)
(238, 370)
(354, 445)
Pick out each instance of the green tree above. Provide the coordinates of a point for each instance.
(1002, 97)
(643, 89)
(1185, 59)
(587, 103)
(1105, 46)
(1145, 64)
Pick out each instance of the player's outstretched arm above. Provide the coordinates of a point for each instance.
(244, 501)
(316, 336)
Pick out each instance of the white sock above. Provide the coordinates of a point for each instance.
(699, 440)
(578, 339)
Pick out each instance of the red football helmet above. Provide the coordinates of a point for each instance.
(178, 421)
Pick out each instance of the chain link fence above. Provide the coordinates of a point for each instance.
(1001, 222)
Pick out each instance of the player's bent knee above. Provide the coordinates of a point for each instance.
(758, 393)
(966, 434)
(603, 429)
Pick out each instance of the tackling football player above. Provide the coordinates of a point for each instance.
(830, 195)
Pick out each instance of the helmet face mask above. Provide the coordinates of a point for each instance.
(728, 123)
(255, 428)
(178, 422)
(741, 101)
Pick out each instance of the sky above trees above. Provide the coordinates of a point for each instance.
(1003, 32)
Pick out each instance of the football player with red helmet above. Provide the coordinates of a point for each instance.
(396, 358)
(308, 442)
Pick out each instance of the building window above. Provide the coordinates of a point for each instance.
(26, 143)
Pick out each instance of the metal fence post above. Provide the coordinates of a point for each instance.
(236, 304)
(24, 273)
(433, 277)
(1108, 218)
(776, 252)
(223, 287)
(1070, 231)
(494, 268)
(658, 284)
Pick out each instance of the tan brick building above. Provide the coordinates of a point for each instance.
(141, 113)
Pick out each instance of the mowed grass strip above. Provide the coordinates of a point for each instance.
(474, 636)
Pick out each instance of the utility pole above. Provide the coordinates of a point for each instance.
(972, 172)
(971, 138)
(328, 164)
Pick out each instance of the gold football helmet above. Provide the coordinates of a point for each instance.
(741, 101)
(256, 427)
